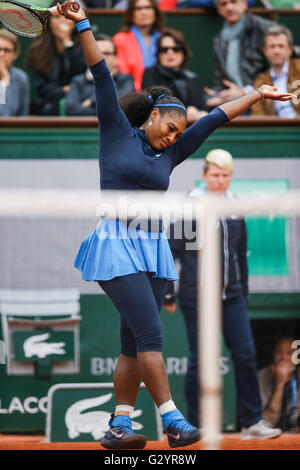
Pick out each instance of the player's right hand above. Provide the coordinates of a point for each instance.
(66, 10)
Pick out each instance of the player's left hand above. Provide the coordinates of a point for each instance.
(271, 93)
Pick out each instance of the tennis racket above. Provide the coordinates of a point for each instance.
(26, 20)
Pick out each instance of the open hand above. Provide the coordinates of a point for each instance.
(231, 92)
(213, 98)
(271, 93)
(67, 12)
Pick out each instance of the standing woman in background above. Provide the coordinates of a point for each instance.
(136, 42)
(53, 60)
(132, 265)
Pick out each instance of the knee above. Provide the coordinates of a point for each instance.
(128, 342)
(151, 341)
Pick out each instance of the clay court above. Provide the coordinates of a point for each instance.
(230, 442)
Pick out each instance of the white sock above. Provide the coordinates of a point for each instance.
(124, 410)
(167, 406)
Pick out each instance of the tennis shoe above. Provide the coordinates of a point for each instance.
(180, 432)
(121, 435)
(260, 430)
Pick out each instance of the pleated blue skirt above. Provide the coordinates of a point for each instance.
(113, 250)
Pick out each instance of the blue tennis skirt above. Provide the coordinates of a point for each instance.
(113, 250)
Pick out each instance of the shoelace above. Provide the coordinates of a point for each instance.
(182, 425)
(121, 422)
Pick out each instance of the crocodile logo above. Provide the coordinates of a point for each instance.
(78, 420)
(36, 346)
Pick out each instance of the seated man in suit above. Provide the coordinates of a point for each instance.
(283, 72)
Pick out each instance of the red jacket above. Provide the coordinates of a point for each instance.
(167, 4)
(129, 57)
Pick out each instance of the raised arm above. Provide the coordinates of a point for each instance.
(90, 47)
(113, 123)
(195, 135)
(236, 107)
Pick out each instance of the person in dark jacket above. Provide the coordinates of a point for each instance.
(238, 52)
(236, 325)
(53, 60)
(173, 54)
(81, 99)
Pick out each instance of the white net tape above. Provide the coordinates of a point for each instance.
(59, 203)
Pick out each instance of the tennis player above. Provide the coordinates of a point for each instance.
(131, 265)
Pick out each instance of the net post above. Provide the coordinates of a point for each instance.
(209, 331)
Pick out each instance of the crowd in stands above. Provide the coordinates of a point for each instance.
(248, 51)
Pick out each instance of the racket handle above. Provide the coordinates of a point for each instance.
(74, 7)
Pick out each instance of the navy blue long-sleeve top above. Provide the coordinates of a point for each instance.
(127, 162)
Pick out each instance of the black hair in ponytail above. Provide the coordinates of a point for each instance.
(138, 106)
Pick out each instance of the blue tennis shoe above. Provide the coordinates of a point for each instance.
(180, 432)
(121, 435)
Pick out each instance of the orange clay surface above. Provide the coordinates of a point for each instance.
(230, 442)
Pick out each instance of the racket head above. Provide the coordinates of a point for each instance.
(21, 20)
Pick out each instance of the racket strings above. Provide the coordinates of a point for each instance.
(20, 20)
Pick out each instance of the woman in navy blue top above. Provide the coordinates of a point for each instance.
(139, 151)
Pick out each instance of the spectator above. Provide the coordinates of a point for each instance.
(237, 51)
(54, 59)
(173, 55)
(81, 100)
(237, 332)
(136, 43)
(283, 71)
(279, 386)
(14, 83)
